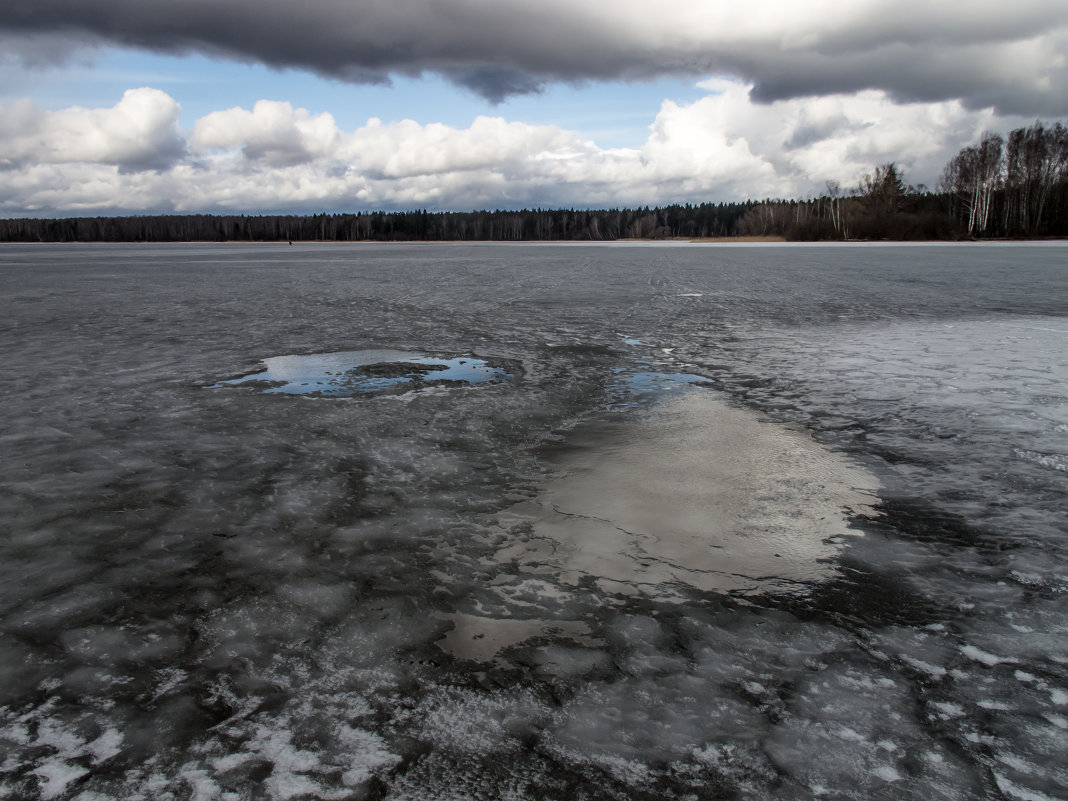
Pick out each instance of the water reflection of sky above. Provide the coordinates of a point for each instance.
(700, 496)
(635, 386)
(346, 373)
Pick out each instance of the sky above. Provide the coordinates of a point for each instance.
(276, 106)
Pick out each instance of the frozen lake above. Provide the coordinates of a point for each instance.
(534, 522)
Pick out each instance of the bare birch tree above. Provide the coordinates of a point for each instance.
(1037, 158)
(972, 177)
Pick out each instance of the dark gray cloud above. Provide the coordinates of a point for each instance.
(985, 53)
(35, 50)
(497, 84)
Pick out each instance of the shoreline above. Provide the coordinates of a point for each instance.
(682, 240)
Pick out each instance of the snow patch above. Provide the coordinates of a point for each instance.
(1021, 793)
(990, 660)
(56, 774)
(887, 774)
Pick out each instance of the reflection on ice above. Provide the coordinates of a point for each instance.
(357, 372)
(700, 495)
(639, 386)
(481, 638)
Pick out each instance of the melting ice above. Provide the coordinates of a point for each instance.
(347, 373)
(798, 531)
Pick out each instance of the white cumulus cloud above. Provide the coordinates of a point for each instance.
(140, 132)
(133, 157)
(273, 133)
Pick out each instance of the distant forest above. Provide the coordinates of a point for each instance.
(1012, 187)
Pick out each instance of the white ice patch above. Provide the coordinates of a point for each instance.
(474, 723)
(850, 735)
(978, 655)
(202, 787)
(105, 746)
(629, 772)
(1021, 793)
(292, 768)
(1056, 461)
(1059, 721)
(56, 774)
(887, 773)
(168, 679)
(947, 710)
(994, 706)
(368, 753)
(59, 749)
(934, 671)
(52, 733)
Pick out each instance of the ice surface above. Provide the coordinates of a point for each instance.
(561, 583)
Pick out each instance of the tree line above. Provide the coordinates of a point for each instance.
(692, 221)
(1012, 186)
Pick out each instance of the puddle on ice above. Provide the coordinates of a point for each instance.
(481, 638)
(344, 374)
(692, 494)
(638, 387)
(698, 494)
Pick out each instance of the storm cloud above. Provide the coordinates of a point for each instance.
(1010, 57)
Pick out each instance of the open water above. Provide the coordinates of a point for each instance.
(533, 522)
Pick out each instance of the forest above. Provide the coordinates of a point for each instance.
(1013, 186)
